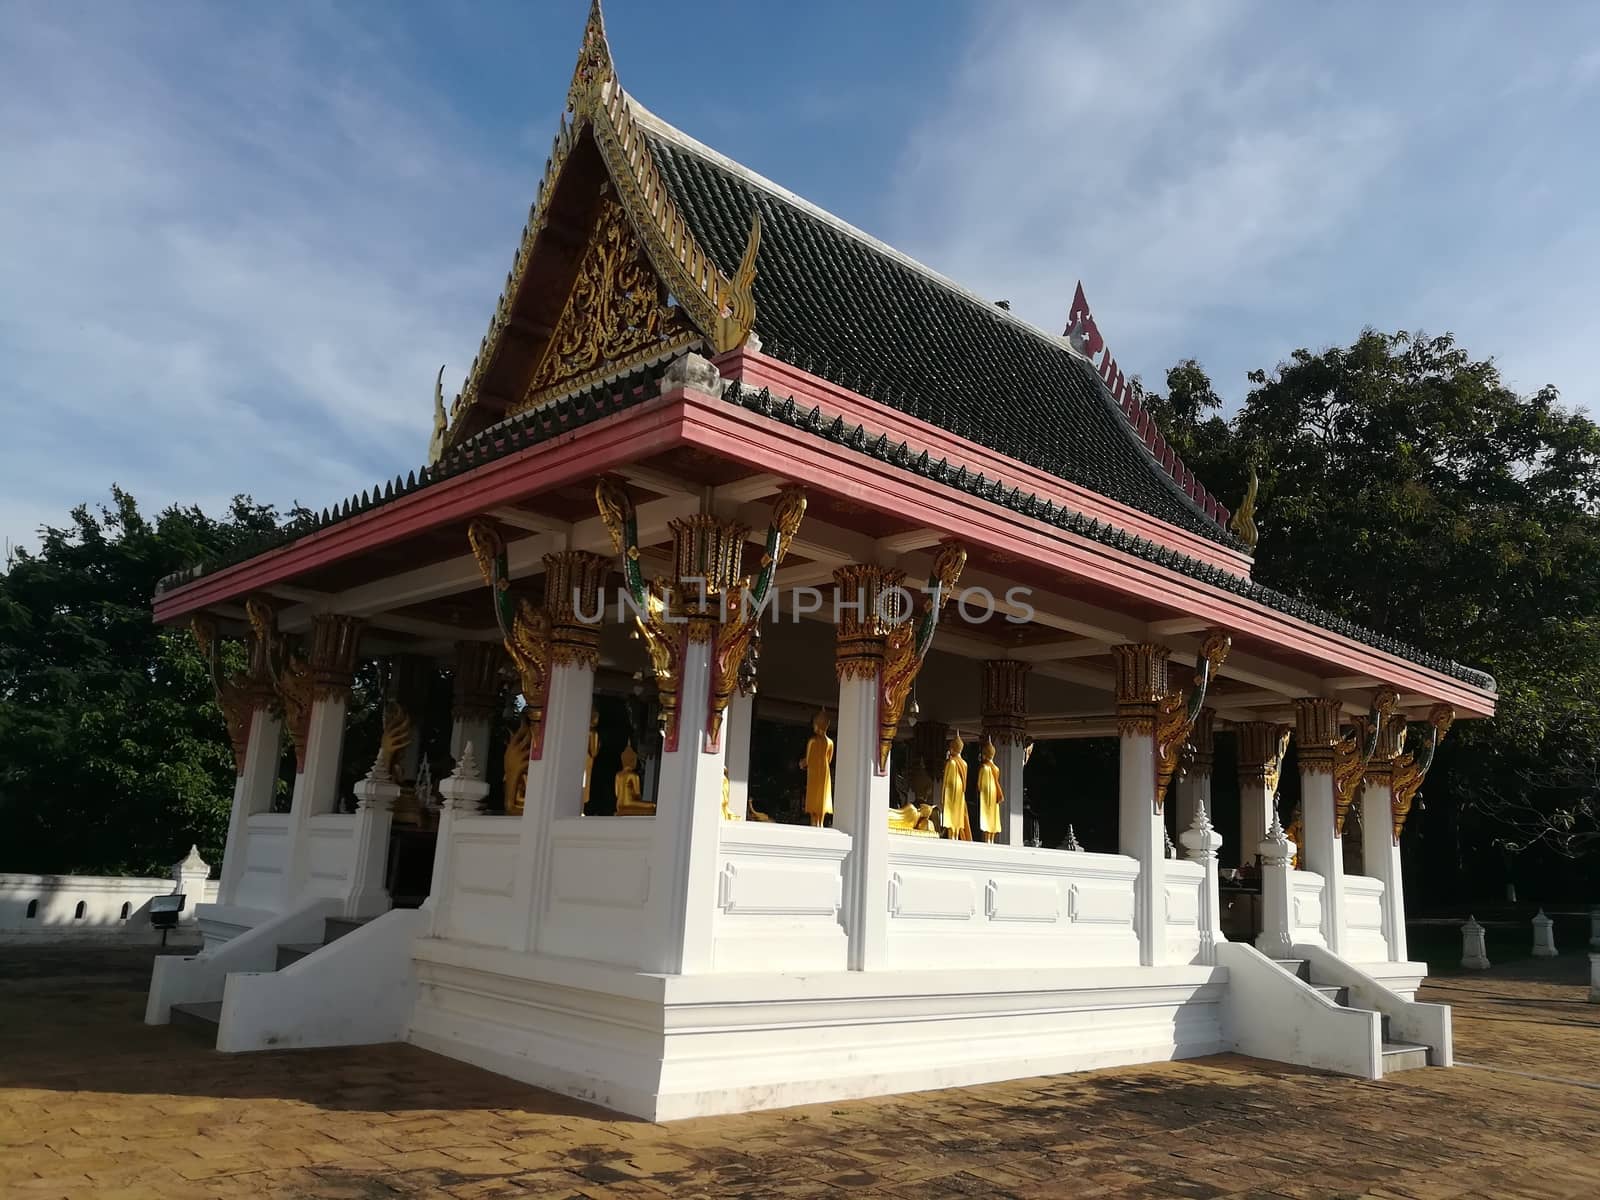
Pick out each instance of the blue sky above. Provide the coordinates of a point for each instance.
(238, 241)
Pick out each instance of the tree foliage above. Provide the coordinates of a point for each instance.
(1405, 486)
(113, 755)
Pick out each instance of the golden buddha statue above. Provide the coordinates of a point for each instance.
(818, 764)
(516, 765)
(727, 791)
(921, 782)
(594, 752)
(912, 817)
(629, 788)
(1296, 833)
(990, 794)
(953, 794)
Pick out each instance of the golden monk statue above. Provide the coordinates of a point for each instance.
(594, 752)
(990, 794)
(629, 789)
(819, 776)
(953, 794)
(516, 765)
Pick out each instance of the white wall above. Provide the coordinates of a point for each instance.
(599, 890)
(1363, 920)
(1305, 908)
(103, 898)
(266, 859)
(972, 904)
(1184, 882)
(477, 906)
(330, 853)
(779, 890)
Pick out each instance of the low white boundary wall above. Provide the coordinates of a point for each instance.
(1363, 920)
(974, 904)
(114, 907)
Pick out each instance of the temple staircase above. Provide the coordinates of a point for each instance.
(1397, 1055)
(207, 1015)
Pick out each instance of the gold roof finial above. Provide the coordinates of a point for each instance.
(594, 68)
(1243, 523)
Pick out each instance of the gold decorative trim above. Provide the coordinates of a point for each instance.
(573, 582)
(908, 643)
(721, 307)
(476, 686)
(865, 595)
(1410, 769)
(335, 641)
(1261, 748)
(1353, 752)
(288, 672)
(238, 696)
(1179, 709)
(615, 315)
(1005, 701)
(524, 629)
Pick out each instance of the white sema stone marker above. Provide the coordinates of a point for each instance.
(1474, 956)
(1544, 938)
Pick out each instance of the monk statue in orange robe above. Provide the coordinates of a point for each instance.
(991, 796)
(953, 793)
(818, 764)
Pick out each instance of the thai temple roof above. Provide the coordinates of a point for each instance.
(844, 306)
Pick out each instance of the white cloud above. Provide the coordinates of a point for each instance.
(217, 256)
(1233, 180)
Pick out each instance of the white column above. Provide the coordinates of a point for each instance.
(1381, 853)
(1009, 758)
(555, 790)
(1202, 842)
(1318, 720)
(375, 797)
(1141, 828)
(861, 809)
(315, 786)
(1324, 853)
(737, 727)
(1141, 836)
(462, 792)
(1276, 939)
(688, 825)
(252, 794)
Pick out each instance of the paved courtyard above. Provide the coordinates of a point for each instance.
(93, 1103)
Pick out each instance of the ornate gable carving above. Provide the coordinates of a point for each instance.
(616, 314)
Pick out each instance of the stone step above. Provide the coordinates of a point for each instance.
(1403, 1056)
(1339, 995)
(334, 928)
(1298, 967)
(294, 952)
(206, 1015)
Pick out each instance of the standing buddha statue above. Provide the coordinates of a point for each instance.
(990, 794)
(953, 798)
(594, 753)
(818, 764)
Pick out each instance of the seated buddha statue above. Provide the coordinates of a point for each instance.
(630, 789)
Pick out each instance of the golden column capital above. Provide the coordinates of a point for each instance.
(334, 642)
(573, 582)
(1005, 700)
(1391, 744)
(1261, 747)
(870, 600)
(476, 683)
(707, 561)
(1141, 685)
(1316, 732)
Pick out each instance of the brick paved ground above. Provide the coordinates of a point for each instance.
(93, 1103)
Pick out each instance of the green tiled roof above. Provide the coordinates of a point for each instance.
(839, 305)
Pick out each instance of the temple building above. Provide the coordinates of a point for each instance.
(664, 740)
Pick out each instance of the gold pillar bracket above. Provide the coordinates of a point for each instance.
(237, 695)
(1179, 710)
(1352, 753)
(1410, 769)
(524, 629)
(907, 644)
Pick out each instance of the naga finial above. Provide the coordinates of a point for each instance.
(1243, 523)
(441, 423)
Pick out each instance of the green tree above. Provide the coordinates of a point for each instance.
(113, 755)
(1404, 486)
